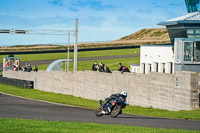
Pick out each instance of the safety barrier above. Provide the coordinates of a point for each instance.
(17, 82)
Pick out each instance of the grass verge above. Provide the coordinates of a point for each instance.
(54, 56)
(91, 104)
(38, 126)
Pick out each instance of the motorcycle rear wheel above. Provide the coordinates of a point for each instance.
(116, 111)
(98, 112)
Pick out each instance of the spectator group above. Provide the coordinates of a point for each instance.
(103, 68)
(16, 67)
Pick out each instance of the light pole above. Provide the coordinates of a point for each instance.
(75, 45)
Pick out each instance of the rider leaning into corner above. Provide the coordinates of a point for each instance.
(123, 95)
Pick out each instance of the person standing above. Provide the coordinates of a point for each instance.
(7, 63)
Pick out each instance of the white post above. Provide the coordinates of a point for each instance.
(4, 63)
(75, 45)
(153, 67)
(65, 66)
(61, 67)
(167, 67)
(68, 37)
(146, 68)
(143, 68)
(161, 67)
(68, 60)
(68, 52)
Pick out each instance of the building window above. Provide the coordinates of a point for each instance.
(197, 33)
(193, 33)
(188, 51)
(191, 51)
(190, 31)
(196, 54)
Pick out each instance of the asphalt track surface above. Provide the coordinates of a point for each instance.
(42, 62)
(16, 107)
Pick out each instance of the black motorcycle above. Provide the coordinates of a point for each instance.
(115, 105)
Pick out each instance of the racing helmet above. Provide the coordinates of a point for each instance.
(124, 93)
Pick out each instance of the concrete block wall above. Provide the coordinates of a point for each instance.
(19, 75)
(139, 91)
(166, 95)
(174, 92)
(67, 83)
(195, 90)
(104, 84)
(182, 87)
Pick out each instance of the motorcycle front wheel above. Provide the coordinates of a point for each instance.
(98, 112)
(116, 111)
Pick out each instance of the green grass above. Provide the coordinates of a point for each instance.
(48, 96)
(39, 126)
(54, 56)
(91, 104)
(111, 63)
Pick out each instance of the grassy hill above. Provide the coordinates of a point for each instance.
(144, 36)
(154, 33)
(147, 36)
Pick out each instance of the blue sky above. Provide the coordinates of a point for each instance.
(99, 20)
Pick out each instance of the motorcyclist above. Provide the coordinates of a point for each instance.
(123, 95)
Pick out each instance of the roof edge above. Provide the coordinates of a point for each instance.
(179, 22)
(185, 19)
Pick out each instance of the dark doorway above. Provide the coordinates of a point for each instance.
(171, 67)
(156, 67)
(144, 68)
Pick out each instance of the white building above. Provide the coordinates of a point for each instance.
(156, 58)
(163, 58)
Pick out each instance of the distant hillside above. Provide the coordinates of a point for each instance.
(147, 36)
(154, 33)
